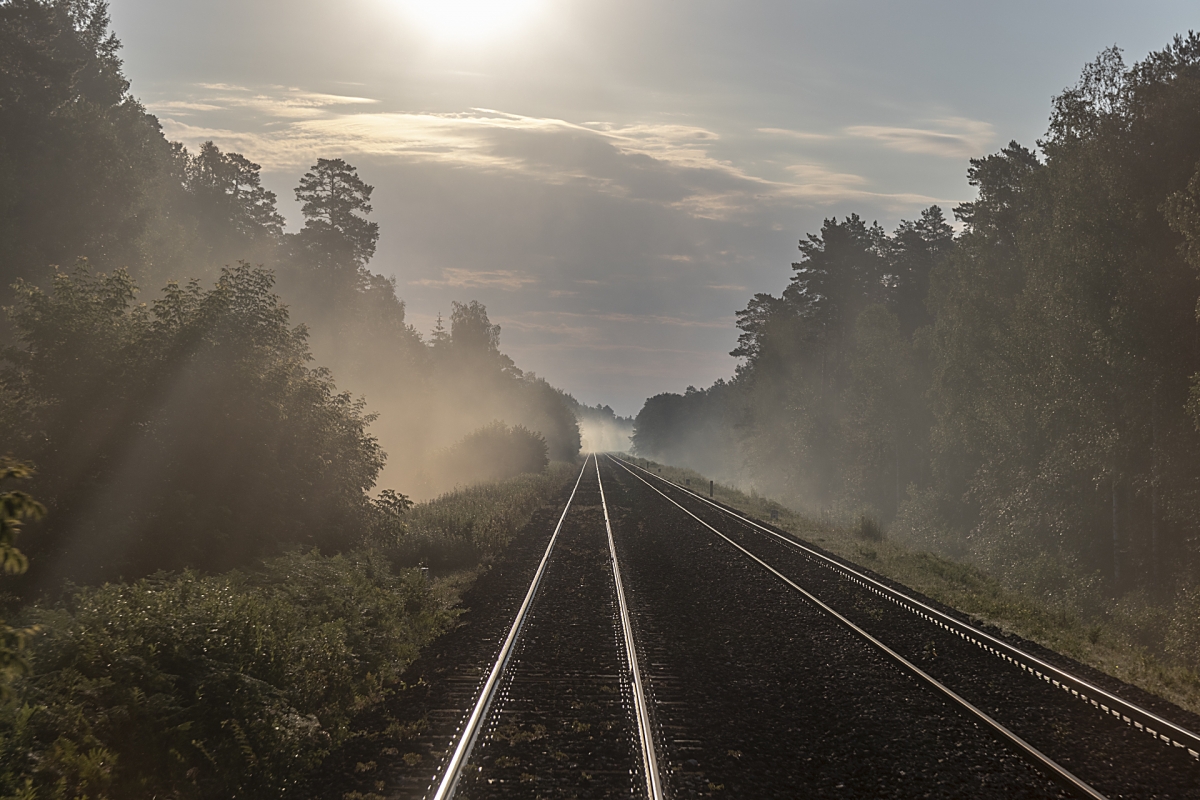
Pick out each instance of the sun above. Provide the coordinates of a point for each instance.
(469, 20)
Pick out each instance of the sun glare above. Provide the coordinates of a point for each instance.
(469, 20)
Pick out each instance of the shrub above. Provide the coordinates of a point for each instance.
(491, 453)
(868, 529)
(230, 685)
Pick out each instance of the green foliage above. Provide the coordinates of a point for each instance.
(1026, 390)
(1023, 397)
(186, 433)
(493, 452)
(79, 157)
(242, 684)
(15, 507)
(472, 334)
(828, 406)
(460, 529)
(1182, 210)
(1060, 381)
(695, 428)
(221, 686)
(230, 185)
(336, 203)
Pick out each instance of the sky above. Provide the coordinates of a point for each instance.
(615, 179)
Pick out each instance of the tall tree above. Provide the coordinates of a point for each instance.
(229, 188)
(471, 332)
(841, 272)
(336, 203)
(913, 251)
(80, 159)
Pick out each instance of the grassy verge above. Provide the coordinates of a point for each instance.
(1114, 641)
(464, 528)
(186, 685)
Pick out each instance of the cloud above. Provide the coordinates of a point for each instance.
(954, 137)
(817, 183)
(184, 107)
(815, 175)
(470, 279)
(667, 164)
(803, 136)
(276, 101)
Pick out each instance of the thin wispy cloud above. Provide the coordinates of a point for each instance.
(185, 107)
(277, 101)
(669, 164)
(470, 279)
(956, 137)
(818, 184)
(804, 136)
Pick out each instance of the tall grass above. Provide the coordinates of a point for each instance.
(463, 528)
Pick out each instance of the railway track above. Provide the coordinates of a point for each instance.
(562, 711)
(1089, 740)
(668, 646)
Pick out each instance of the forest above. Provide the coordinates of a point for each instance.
(1022, 393)
(218, 430)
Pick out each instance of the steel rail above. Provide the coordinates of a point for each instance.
(1166, 731)
(474, 722)
(654, 789)
(1054, 770)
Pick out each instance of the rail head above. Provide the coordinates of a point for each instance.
(652, 779)
(470, 731)
(1107, 702)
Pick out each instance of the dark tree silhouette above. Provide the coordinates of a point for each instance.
(336, 203)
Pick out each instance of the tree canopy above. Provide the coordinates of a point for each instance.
(1024, 392)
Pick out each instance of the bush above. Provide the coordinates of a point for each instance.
(230, 685)
(492, 453)
(868, 529)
